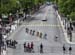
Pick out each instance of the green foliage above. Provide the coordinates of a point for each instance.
(8, 5)
(11, 5)
(67, 7)
(72, 16)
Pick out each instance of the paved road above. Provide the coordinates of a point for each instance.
(51, 27)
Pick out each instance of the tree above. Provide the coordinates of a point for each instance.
(66, 7)
(8, 5)
(72, 16)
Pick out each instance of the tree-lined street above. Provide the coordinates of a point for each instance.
(51, 27)
(37, 27)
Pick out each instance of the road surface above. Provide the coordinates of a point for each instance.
(51, 27)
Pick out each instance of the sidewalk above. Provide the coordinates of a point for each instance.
(73, 34)
(65, 31)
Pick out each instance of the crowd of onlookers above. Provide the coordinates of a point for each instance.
(29, 47)
(11, 43)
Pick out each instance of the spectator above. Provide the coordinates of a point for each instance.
(25, 47)
(32, 46)
(41, 48)
(28, 48)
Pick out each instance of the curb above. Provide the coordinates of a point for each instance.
(65, 32)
